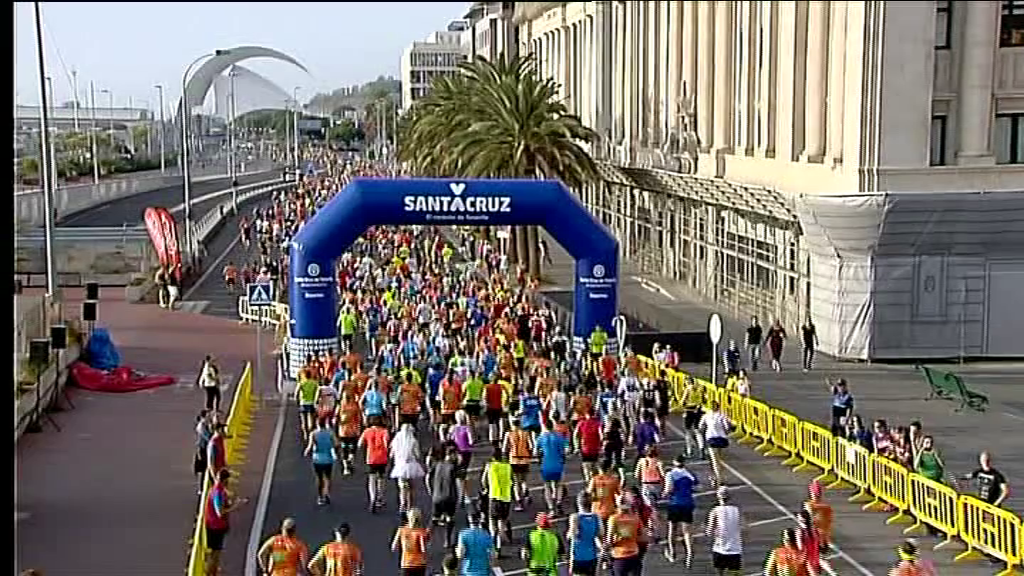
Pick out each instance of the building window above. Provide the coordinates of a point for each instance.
(937, 156)
(1011, 25)
(943, 23)
(1010, 138)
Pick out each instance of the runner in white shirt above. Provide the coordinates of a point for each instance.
(326, 400)
(629, 394)
(725, 528)
(715, 427)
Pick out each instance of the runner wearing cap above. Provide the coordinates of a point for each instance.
(622, 538)
(584, 535)
(679, 484)
(725, 528)
(341, 557)
(283, 554)
(542, 548)
(475, 548)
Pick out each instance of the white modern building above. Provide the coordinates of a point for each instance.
(860, 163)
(439, 55)
(490, 32)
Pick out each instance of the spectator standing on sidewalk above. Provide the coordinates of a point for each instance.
(160, 279)
(809, 335)
(776, 338)
(220, 502)
(755, 336)
(173, 288)
(204, 431)
(842, 404)
(209, 381)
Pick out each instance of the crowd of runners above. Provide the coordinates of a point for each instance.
(444, 355)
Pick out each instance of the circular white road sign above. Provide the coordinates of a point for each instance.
(715, 329)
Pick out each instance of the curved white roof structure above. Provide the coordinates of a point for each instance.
(202, 79)
(252, 92)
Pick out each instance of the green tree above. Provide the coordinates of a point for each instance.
(346, 132)
(498, 120)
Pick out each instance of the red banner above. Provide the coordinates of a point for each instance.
(170, 229)
(154, 225)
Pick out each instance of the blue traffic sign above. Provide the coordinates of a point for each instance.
(261, 294)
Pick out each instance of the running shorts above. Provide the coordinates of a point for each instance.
(628, 566)
(215, 538)
(414, 571)
(462, 468)
(377, 468)
(409, 419)
(590, 458)
(551, 475)
(584, 568)
(494, 416)
(472, 408)
(691, 419)
(727, 561)
(521, 469)
(323, 471)
(307, 408)
(445, 508)
(500, 509)
(533, 428)
(448, 418)
(718, 442)
(680, 513)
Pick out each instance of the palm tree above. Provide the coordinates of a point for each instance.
(498, 120)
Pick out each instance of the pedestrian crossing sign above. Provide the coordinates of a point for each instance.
(261, 294)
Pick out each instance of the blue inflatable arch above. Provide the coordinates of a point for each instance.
(369, 202)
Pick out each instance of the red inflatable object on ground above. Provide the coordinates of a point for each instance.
(120, 379)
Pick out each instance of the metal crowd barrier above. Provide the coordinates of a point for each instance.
(907, 496)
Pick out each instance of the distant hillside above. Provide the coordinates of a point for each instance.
(356, 97)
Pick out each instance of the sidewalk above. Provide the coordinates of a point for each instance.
(893, 392)
(121, 468)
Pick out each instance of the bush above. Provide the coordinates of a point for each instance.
(29, 167)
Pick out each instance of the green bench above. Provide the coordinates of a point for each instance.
(950, 386)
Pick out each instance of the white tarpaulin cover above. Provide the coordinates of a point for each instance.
(915, 275)
(253, 92)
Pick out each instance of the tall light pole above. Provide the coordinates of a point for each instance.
(53, 138)
(92, 133)
(231, 139)
(110, 110)
(295, 131)
(185, 117)
(131, 128)
(74, 88)
(163, 161)
(45, 155)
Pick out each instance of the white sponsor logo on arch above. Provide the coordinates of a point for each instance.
(458, 202)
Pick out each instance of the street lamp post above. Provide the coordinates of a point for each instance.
(74, 88)
(163, 161)
(110, 110)
(295, 132)
(46, 157)
(92, 133)
(53, 137)
(185, 114)
(131, 127)
(232, 160)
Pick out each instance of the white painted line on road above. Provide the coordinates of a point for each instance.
(775, 503)
(1013, 416)
(260, 517)
(213, 266)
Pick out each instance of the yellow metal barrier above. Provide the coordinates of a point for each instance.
(757, 420)
(890, 484)
(816, 449)
(732, 407)
(677, 387)
(851, 463)
(235, 444)
(989, 529)
(935, 504)
(709, 392)
(786, 437)
(648, 367)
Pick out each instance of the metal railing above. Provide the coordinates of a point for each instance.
(209, 222)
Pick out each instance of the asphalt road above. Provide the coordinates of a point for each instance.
(130, 210)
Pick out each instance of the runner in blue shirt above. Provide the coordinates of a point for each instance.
(551, 448)
(679, 485)
(530, 408)
(372, 401)
(584, 535)
(607, 404)
(475, 548)
(321, 447)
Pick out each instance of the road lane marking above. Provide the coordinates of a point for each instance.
(260, 517)
(775, 503)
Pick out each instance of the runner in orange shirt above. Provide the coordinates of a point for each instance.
(340, 558)
(230, 273)
(821, 513)
(376, 439)
(604, 488)
(410, 402)
(787, 559)
(412, 538)
(350, 425)
(283, 554)
(449, 395)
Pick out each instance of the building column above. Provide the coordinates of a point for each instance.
(664, 59)
(675, 63)
(619, 78)
(977, 70)
(629, 71)
(836, 82)
(705, 72)
(816, 81)
(723, 76)
(765, 146)
(643, 109)
(655, 58)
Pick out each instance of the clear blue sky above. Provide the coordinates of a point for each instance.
(127, 47)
